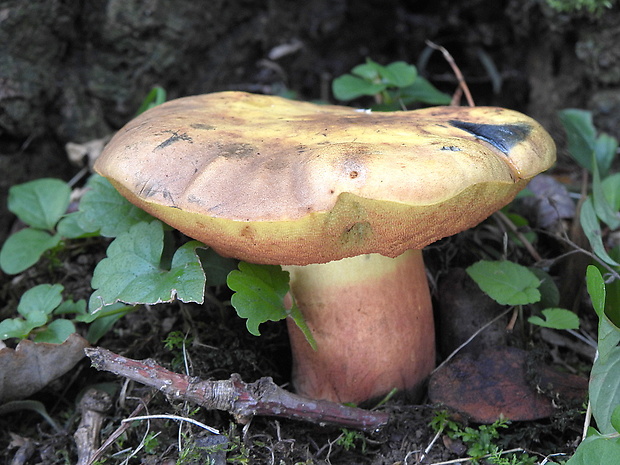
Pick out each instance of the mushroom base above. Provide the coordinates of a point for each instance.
(372, 320)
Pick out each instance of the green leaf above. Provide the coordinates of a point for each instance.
(43, 298)
(56, 332)
(592, 230)
(15, 327)
(349, 87)
(605, 389)
(155, 97)
(370, 71)
(596, 450)
(556, 318)
(69, 306)
(259, 293)
(549, 292)
(605, 150)
(215, 266)
(24, 248)
(596, 289)
(40, 203)
(103, 209)
(506, 282)
(615, 418)
(581, 135)
(131, 272)
(105, 320)
(604, 210)
(423, 91)
(70, 227)
(399, 74)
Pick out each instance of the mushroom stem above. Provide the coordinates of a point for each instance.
(372, 319)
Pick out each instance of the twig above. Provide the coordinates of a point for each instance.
(457, 72)
(93, 406)
(241, 399)
(526, 243)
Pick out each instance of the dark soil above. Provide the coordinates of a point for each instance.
(74, 71)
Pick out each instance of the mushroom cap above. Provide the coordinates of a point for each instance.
(270, 180)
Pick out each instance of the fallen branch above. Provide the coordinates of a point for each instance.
(242, 400)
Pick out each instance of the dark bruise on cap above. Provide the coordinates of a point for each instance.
(502, 137)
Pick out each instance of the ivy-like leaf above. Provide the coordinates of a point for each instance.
(40, 203)
(556, 318)
(103, 209)
(259, 293)
(259, 297)
(596, 450)
(506, 282)
(131, 272)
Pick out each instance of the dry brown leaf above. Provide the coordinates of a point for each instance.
(31, 366)
(488, 386)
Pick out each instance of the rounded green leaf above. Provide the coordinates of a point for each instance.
(56, 332)
(556, 318)
(42, 298)
(24, 248)
(349, 87)
(40, 203)
(506, 282)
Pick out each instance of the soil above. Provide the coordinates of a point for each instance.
(75, 71)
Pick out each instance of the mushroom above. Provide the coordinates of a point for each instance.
(344, 199)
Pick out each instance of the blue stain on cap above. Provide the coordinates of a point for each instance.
(501, 136)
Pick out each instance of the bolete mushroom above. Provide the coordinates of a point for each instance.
(345, 199)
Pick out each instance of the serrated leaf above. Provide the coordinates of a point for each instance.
(506, 282)
(43, 298)
(25, 248)
(103, 209)
(605, 389)
(349, 87)
(556, 318)
(592, 230)
(40, 203)
(131, 272)
(56, 332)
(259, 293)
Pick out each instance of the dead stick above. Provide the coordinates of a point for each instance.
(457, 71)
(242, 400)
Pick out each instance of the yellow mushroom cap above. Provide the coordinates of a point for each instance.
(276, 181)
